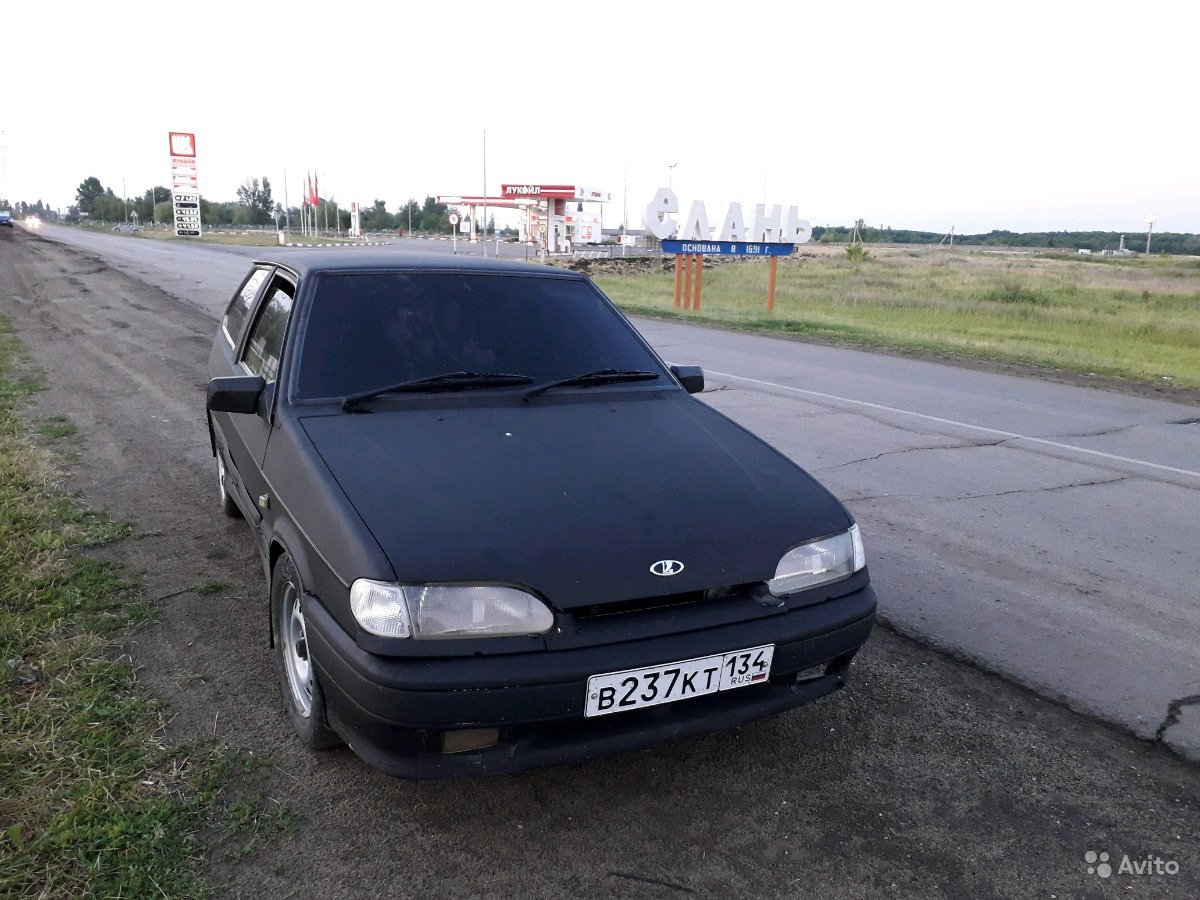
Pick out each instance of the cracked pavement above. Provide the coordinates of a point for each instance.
(1066, 572)
(1070, 572)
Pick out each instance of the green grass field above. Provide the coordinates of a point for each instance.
(93, 801)
(1135, 318)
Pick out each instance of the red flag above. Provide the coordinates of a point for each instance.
(312, 191)
(316, 191)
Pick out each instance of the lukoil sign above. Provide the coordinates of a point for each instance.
(555, 192)
(773, 224)
(185, 188)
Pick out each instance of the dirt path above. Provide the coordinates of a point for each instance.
(925, 777)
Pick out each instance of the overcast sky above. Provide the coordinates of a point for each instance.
(1037, 116)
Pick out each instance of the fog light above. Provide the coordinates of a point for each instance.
(812, 673)
(469, 739)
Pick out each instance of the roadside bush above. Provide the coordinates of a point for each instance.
(1015, 292)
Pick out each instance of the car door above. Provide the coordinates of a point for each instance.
(260, 354)
(222, 363)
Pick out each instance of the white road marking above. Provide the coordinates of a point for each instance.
(1011, 435)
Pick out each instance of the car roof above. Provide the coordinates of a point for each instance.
(363, 259)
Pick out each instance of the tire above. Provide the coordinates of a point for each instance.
(302, 695)
(228, 506)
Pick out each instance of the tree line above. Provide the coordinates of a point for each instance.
(1096, 241)
(430, 216)
(255, 206)
(23, 209)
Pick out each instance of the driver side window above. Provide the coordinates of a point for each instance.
(240, 306)
(265, 346)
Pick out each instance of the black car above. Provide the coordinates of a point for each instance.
(499, 533)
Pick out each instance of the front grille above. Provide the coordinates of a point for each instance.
(644, 604)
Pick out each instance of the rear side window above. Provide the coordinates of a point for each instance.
(239, 307)
(266, 339)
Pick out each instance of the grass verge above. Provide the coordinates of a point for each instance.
(1136, 319)
(92, 801)
(224, 235)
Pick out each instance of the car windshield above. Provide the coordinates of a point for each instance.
(365, 331)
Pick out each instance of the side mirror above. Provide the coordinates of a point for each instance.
(691, 377)
(236, 394)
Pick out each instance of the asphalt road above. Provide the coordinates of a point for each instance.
(927, 777)
(1044, 531)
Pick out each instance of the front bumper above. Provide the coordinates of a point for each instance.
(392, 713)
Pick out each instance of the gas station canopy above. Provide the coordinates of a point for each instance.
(548, 222)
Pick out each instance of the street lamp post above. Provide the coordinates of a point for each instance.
(287, 209)
(670, 174)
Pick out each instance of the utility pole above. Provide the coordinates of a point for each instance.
(125, 202)
(410, 203)
(3, 161)
(1149, 231)
(287, 210)
(483, 235)
(624, 208)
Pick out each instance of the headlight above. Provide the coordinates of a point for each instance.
(447, 611)
(819, 562)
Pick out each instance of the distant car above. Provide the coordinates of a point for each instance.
(128, 227)
(497, 530)
(6, 218)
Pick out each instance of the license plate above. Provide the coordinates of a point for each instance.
(652, 685)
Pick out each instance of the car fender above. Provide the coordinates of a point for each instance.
(286, 537)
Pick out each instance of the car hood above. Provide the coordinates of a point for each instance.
(576, 496)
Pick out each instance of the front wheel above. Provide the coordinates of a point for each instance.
(302, 694)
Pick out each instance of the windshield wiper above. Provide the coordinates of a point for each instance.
(447, 381)
(589, 379)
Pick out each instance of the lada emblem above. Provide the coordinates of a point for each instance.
(667, 567)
